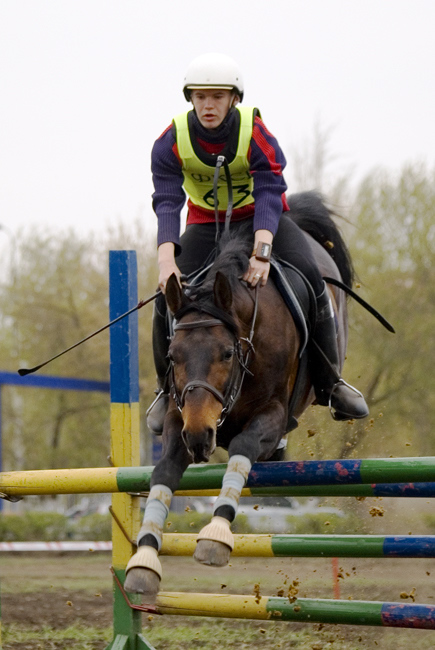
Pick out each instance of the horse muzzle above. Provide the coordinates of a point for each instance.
(202, 407)
(200, 445)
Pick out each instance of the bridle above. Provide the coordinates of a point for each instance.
(239, 365)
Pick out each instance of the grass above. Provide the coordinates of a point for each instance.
(74, 636)
(211, 634)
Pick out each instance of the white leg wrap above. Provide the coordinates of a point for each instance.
(233, 482)
(156, 511)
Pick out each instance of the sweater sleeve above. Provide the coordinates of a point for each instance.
(267, 163)
(169, 196)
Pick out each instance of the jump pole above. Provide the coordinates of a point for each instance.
(401, 477)
(125, 439)
(301, 610)
(268, 545)
(276, 545)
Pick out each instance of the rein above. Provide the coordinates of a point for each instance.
(221, 160)
(238, 371)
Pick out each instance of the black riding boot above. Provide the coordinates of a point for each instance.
(157, 411)
(345, 402)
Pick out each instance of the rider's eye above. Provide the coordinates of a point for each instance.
(228, 355)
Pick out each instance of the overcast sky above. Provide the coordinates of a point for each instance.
(88, 85)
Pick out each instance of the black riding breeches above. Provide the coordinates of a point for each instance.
(197, 245)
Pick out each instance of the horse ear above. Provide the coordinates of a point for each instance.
(174, 295)
(223, 296)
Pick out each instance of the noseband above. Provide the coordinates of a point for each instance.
(238, 371)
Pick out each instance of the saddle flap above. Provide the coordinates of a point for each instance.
(297, 295)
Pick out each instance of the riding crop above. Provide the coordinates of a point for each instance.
(27, 371)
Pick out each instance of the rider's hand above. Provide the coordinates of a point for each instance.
(257, 272)
(167, 265)
(166, 269)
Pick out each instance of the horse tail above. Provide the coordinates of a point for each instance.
(309, 211)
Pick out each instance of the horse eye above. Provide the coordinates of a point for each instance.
(228, 355)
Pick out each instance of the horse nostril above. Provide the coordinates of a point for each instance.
(193, 439)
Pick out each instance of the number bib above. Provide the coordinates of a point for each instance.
(198, 176)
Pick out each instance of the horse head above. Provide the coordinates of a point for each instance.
(204, 358)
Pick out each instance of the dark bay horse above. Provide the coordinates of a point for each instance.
(234, 362)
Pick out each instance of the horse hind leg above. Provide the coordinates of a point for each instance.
(215, 541)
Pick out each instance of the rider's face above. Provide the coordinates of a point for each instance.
(212, 105)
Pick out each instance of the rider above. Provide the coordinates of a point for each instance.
(184, 156)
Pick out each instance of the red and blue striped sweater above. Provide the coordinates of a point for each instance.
(266, 161)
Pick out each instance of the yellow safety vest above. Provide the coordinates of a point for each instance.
(198, 177)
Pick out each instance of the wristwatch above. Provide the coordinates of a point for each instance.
(262, 252)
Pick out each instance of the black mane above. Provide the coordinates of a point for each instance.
(232, 260)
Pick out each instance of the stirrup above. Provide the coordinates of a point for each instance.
(159, 394)
(334, 413)
(156, 412)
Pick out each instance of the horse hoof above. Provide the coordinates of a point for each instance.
(212, 553)
(143, 573)
(215, 543)
(143, 581)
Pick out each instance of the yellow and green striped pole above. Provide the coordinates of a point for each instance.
(125, 438)
(302, 610)
(277, 545)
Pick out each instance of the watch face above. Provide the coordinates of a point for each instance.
(265, 250)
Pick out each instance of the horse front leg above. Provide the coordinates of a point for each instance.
(258, 440)
(144, 570)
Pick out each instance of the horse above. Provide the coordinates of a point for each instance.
(234, 360)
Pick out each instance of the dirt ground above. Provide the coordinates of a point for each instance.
(57, 609)
(57, 592)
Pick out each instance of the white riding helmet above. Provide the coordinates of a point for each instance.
(213, 70)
